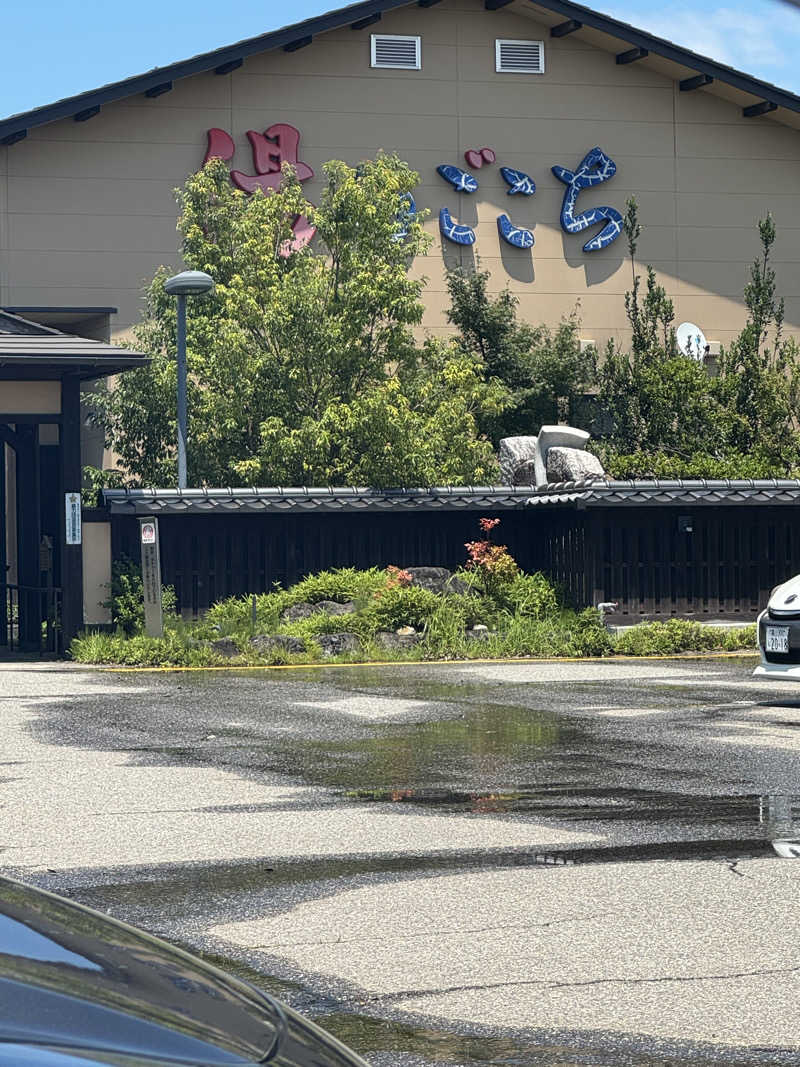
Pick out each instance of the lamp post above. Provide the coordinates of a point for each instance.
(187, 283)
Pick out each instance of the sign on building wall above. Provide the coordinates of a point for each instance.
(279, 144)
(151, 577)
(73, 506)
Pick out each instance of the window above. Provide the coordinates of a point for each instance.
(391, 50)
(519, 57)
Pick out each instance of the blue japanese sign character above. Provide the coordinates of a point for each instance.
(595, 167)
(453, 231)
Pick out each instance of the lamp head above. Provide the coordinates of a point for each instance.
(189, 283)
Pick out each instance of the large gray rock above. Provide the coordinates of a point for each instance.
(305, 609)
(515, 452)
(525, 474)
(572, 465)
(225, 646)
(266, 644)
(334, 644)
(437, 580)
(396, 642)
(556, 437)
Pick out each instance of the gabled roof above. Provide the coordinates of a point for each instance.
(699, 72)
(30, 349)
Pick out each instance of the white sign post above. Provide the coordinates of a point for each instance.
(151, 577)
(73, 505)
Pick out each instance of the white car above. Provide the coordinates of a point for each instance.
(779, 633)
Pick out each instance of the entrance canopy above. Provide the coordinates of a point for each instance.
(41, 561)
(29, 350)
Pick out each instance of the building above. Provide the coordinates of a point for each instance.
(530, 123)
(86, 184)
(45, 556)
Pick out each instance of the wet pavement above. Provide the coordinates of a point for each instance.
(550, 863)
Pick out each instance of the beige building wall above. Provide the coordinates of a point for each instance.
(87, 210)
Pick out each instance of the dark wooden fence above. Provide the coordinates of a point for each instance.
(713, 562)
(659, 561)
(208, 557)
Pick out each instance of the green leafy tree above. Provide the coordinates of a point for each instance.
(544, 371)
(668, 418)
(653, 398)
(759, 374)
(303, 365)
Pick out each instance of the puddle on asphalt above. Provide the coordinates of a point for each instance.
(483, 741)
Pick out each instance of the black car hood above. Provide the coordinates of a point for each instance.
(73, 978)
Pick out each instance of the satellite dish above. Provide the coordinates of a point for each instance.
(691, 340)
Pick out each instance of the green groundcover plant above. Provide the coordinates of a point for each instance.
(517, 615)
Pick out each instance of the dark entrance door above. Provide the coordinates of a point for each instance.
(30, 565)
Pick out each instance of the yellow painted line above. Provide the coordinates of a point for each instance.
(740, 654)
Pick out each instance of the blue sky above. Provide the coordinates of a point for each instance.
(64, 48)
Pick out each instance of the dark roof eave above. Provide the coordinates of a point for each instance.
(278, 499)
(84, 368)
(17, 125)
(668, 50)
(198, 64)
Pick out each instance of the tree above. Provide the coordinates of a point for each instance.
(759, 379)
(298, 348)
(668, 417)
(654, 398)
(544, 371)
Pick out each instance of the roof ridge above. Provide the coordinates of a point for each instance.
(15, 127)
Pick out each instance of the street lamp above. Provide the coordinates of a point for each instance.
(187, 283)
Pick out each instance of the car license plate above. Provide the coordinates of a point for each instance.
(777, 639)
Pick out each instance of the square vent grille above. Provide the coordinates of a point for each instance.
(519, 57)
(402, 53)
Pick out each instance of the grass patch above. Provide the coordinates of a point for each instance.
(524, 617)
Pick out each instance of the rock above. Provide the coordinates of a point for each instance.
(556, 437)
(514, 452)
(225, 646)
(333, 644)
(525, 474)
(396, 642)
(305, 609)
(432, 578)
(437, 580)
(266, 644)
(479, 632)
(572, 465)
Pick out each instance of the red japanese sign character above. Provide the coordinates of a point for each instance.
(220, 146)
(271, 149)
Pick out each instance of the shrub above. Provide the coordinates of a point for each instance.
(399, 605)
(341, 584)
(142, 651)
(681, 635)
(127, 598)
(532, 595)
(589, 637)
(493, 565)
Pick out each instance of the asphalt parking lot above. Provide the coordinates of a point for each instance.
(505, 863)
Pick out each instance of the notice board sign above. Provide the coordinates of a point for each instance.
(73, 506)
(151, 577)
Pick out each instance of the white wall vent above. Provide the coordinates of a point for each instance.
(519, 57)
(391, 50)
